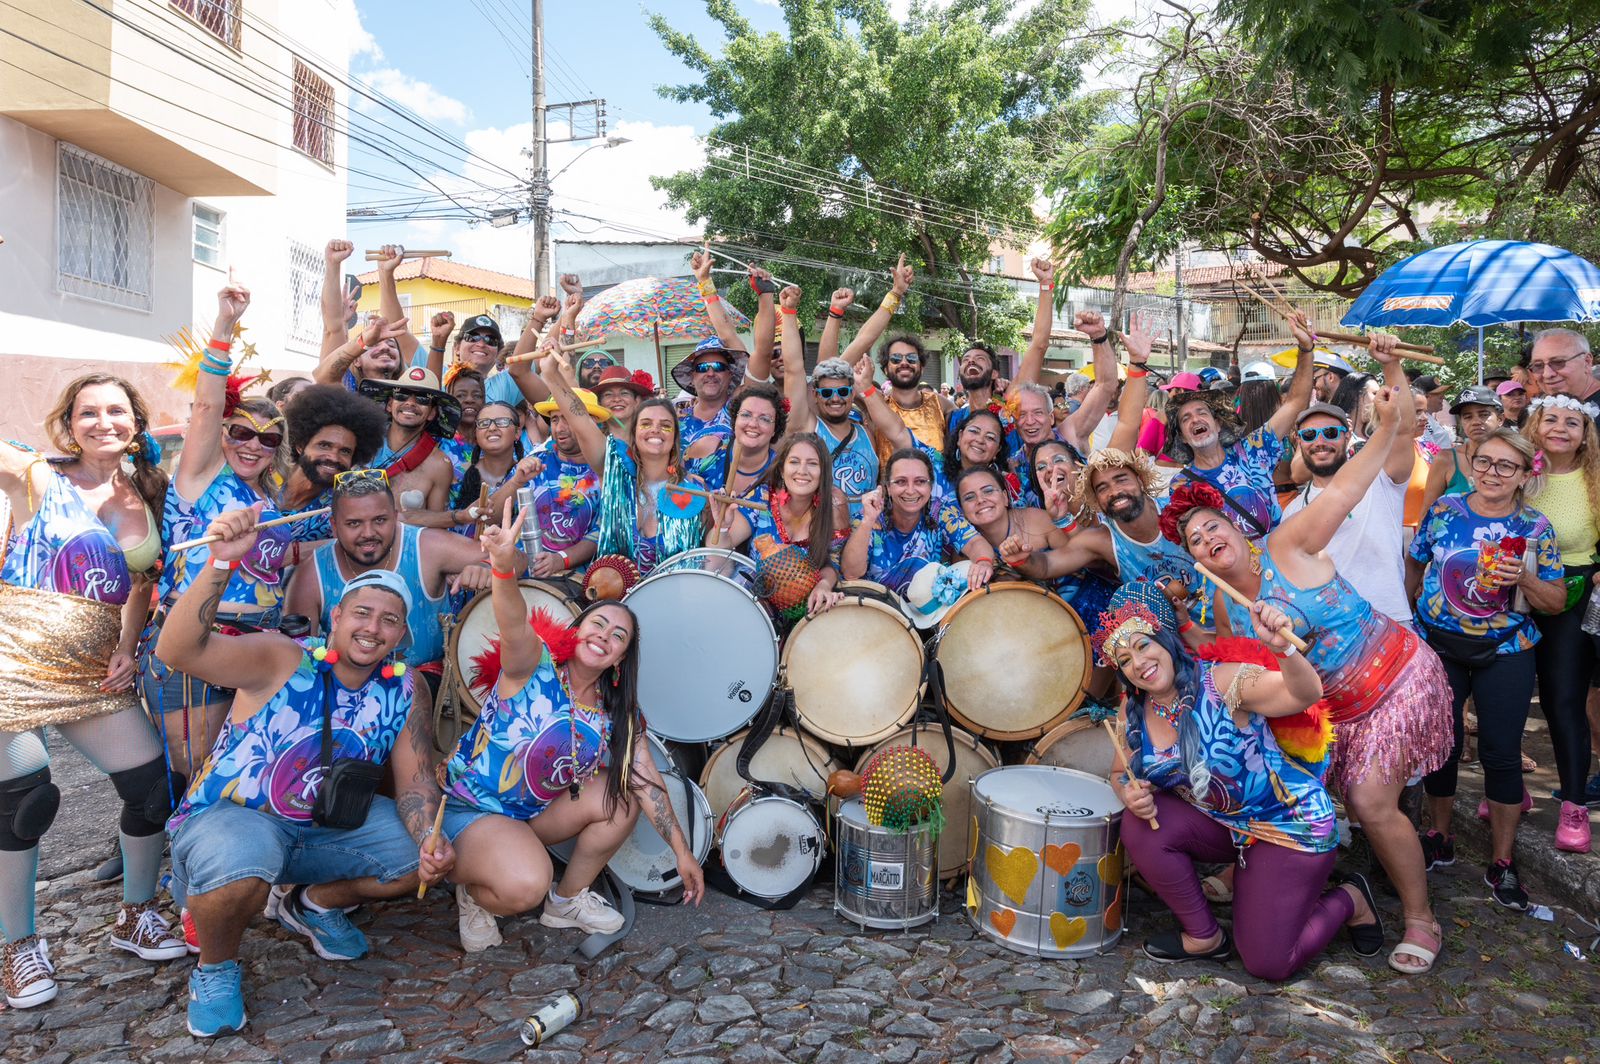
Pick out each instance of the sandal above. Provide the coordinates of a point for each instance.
(1418, 950)
(1168, 949)
(1216, 890)
(1366, 939)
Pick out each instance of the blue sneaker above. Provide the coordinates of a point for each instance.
(216, 1000)
(1591, 793)
(332, 934)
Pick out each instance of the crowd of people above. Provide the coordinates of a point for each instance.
(1299, 578)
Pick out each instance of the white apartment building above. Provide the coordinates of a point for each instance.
(147, 146)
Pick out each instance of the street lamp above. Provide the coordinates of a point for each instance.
(609, 142)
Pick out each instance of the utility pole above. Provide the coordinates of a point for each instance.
(539, 199)
(1181, 351)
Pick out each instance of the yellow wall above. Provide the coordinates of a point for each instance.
(429, 296)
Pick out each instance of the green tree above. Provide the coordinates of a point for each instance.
(851, 137)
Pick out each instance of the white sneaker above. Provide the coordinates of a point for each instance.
(27, 972)
(143, 931)
(479, 929)
(275, 898)
(588, 912)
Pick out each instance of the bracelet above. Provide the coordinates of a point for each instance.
(206, 367)
(1066, 522)
(294, 553)
(566, 562)
(790, 310)
(437, 350)
(220, 345)
(218, 563)
(1135, 374)
(1289, 653)
(890, 304)
(872, 389)
(708, 289)
(1102, 338)
(1185, 626)
(835, 312)
(498, 575)
(1043, 287)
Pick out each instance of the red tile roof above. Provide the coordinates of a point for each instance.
(451, 272)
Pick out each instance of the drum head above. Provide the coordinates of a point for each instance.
(1080, 744)
(476, 628)
(771, 846)
(1015, 659)
(973, 759)
(708, 655)
(856, 672)
(786, 757)
(1033, 792)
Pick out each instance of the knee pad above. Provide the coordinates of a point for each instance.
(147, 794)
(28, 807)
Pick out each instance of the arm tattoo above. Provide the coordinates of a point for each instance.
(209, 606)
(657, 807)
(575, 404)
(416, 801)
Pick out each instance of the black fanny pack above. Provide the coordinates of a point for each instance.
(1470, 651)
(348, 784)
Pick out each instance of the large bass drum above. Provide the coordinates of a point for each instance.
(1081, 744)
(786, 757)
(856, 670)
(1015, 660)
(475, 629)
(973, 759)
(708, 654)
(771, 846)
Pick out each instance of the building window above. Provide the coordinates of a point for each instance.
(305, 296)
(104, 229)
(313, 114)
(221, 17)
(208, 235)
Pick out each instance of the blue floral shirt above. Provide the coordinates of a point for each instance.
(1245, 476)
(894, 556)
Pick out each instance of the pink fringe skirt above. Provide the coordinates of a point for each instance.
(1408, 734)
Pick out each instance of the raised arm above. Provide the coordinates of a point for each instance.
(802, 416)
(857, 549)
(440, 326)
(700, 265)
(519, 644)
(201, 456)
(389, 299)
(760, 367)
(1082, 421)
(1044, 315)
(525, 374)
(838, 303)
(336, 363)
(885, 421)
(335, 312)
(1311, 529)
(556, 372)
(1130, 409)
(900, 279)
(1298, 397)
(1272, 694)
(1403, 451)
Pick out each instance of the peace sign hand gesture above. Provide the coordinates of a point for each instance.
(500, 541)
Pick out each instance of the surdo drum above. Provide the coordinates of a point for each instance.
(771, 846)
(786, 757)
(856, 670)
(883, 877)
(1015, 659)
(708, 654)
(1081, 744)
(1046, 860)
(973, 759)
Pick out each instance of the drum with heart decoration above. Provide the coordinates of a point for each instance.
(1046, 861)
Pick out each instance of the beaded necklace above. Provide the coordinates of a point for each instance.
(1173, 713)
(574, 788)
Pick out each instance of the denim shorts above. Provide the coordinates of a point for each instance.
(459, 816)
(227, 843)
(167, 691)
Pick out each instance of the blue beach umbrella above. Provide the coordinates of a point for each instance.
(1479, 283)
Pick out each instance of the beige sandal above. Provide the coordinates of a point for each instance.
(1216, 890)
(1418, 950)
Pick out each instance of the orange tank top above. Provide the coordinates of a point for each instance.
(925, 421)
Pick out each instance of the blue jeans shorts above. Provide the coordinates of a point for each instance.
(227, 843)
(167, 691)
(459, 816)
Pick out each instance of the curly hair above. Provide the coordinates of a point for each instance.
(1229, 429)
(910, 340)
(312, 409)
(757, 390)
(952, 443)
(148, 479)
(1588, 459)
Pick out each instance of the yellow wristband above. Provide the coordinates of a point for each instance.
(891, 303)
(708, 289)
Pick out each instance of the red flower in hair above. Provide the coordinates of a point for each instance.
(233, 392)
(786, 405)
(1190, 495)
(643, 380)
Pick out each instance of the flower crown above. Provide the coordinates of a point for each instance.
(1191, 495)
(1566, 402)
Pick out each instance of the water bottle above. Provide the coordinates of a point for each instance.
(551, 1019)
(530, 538)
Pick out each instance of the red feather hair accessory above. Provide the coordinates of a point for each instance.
(1306, 736)
(561, 640)
(233, 392)
(1190, 495)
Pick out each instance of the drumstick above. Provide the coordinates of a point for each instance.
(748, 504)
(1414, 352)
(566, 349)
(1238, 596)
(377, 256)
(433, 839)
(274, 523)
(1127, 759)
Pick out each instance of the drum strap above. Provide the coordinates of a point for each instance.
(770, 716)
(933, 675)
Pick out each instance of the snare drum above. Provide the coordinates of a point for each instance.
(883, 877)
(771, 846)
(1046, 862)
(708, 654)
(856, 670)
(1081, 744)
(645, 861)
(1015, 659)
(973, 759)
(786, 757)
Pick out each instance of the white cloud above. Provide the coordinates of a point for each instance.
(417, 96)
(343, 26)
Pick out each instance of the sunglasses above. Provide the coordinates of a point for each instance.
(406, 395)
(351, 477)
(829, 393)
(711, 367)
(496, 422)
(897, 359)
(1327, 432)
(596, 363)
(244, 434)
(480, 338)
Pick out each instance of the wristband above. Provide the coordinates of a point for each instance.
(566, 562)
(1289, 653)
(708, 289)
(1043, 287)
(835, 312)
(206, 367)
(790, 310)
(1185, 626)
(1066, 522)
(1102, 338)
(220, 345)
(890, 304)
(437, 350)
(218, 563)
(870, 392)
(1135, 374)
(498, 575)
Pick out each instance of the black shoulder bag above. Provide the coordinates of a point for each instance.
(348, 784)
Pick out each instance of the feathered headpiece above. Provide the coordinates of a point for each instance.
(233, 392)
(1230, 430)
(1138, 606)
(561, 640)
(1190, 495)
(1306, 736)
(644, 380)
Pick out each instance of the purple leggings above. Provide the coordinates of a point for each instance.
(1282, 917)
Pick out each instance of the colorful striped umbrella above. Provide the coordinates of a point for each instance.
(637, 307)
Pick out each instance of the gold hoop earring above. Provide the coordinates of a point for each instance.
(1255, 559)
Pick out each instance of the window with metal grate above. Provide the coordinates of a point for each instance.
(304, 330)
(313, 114)
(104, 229)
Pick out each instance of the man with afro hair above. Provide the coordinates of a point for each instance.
(331, 430)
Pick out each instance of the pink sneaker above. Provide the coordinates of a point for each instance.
(1572, 833)
(1527, 805)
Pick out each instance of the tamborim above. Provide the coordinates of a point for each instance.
(973, 759)
(770, 846)
(1015, 659)
(1046, 860)
(708, 654)
(1080, 744)
(786, 757)
(883, 877)
(856, 670)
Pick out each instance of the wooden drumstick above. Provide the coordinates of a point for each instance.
(1244, 600)
(748, 504)
(433, 840)
(377, 256)
(1127, 759)
(274, 523)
